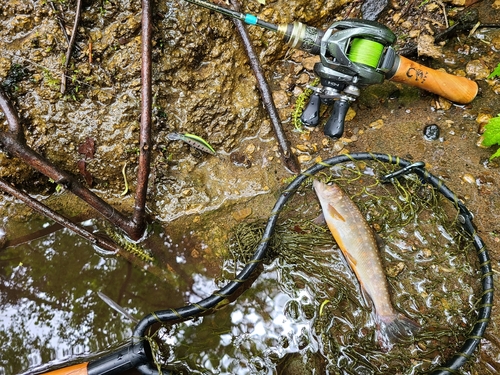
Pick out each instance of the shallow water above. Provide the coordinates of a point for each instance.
(305, 310)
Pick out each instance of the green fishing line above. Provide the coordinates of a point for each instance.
(365, 51)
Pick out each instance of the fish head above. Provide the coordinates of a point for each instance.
(327, 193)
(330, 197)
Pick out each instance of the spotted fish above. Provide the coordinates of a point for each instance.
(357, 242)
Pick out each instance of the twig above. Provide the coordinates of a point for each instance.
(61, 22)
(144, 168)
(70, 45)
(47, 212)
(288, 157)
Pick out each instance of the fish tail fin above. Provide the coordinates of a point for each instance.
(395, 328)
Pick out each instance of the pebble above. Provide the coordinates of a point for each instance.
(303, 79)
(427, 47)
(250, 149)
(377, 124)
(265, 128)
(431, 132)
(297, 90)
(242, 214)
(442, 103)
(338, 146)
(309, 62)
(407, 25)
(280, 99)
(305, 136)
(479, 142)
(482, 119)
(303, 148)
(470, 179)
(414, 33)
(351, 113)
(395, 269)
(304, 158)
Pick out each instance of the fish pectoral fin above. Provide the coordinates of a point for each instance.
(352, 262)
(334, 213)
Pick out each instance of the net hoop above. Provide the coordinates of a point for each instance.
(483, 308)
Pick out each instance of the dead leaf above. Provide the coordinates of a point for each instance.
(87, 148)
(82, 168)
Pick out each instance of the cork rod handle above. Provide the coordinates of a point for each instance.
(80, 369)
(457, 89)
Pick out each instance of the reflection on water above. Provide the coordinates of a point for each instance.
(50, 310)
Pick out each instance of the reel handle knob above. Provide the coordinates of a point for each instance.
(334, 127)
(310, 116)
(457, 89)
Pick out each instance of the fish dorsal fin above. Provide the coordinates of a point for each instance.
(334, 213)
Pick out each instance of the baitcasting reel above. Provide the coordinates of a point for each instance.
(354, 53)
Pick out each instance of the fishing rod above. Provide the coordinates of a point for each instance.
(354, 53)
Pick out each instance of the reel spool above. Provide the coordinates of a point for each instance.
(366, 52)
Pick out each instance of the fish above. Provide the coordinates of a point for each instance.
(358, 244)
(193, 140)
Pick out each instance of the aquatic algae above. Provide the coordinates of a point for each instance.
(417, 227)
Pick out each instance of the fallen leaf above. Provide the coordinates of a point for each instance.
(82, 168)
(87, 148)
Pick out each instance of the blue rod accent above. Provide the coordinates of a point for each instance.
(250, 19)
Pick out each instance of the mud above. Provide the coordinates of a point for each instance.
(202, 84)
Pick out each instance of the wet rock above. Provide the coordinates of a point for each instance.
(426, 47)
(371, 9)
(431, 132)
(477, 69)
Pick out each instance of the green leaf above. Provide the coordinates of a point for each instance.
(495, 155)
(492, 132)
(495, 72)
